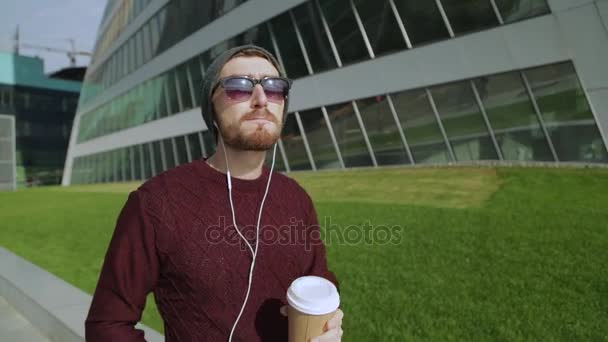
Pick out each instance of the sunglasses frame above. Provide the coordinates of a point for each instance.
(222, 81)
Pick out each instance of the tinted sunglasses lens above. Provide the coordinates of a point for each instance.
(238, 88)
(276, 88)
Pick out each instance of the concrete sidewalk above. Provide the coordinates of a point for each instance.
(15, 328)
(36, 300)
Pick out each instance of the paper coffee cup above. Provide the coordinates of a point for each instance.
(312, 302)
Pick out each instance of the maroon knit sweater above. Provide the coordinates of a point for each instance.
(175, 237)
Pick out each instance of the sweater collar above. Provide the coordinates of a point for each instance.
(238, 184)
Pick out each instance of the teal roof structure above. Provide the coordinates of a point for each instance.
(29, 71)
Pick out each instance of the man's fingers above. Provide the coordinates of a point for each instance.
(330, 336)
(336, 320)
(284, 310)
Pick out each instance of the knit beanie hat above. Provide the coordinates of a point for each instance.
(211, 77)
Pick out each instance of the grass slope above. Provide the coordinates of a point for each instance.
(475, 254)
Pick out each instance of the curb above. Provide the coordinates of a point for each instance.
(52, 305)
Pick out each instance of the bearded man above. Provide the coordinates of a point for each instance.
(218, 240)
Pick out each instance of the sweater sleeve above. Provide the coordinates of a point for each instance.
(318, 265)
(129, 273)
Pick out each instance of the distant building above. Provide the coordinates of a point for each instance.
(376, 82)
(43, 108)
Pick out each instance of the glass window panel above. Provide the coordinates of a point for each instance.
(182, 154)
(137, 155)
(124, 164)
(184, 87)
(158, 160)
(161, 105)
(314, 36)
(514, 10)
(154, 36)
(139, 49)
(382, 131)
(422, 21)
(147, 49)
(513, 118)
(345, 32)
(291, 53)
(196, 76)
(294, 145)
(566, 113)
(348, 134)
(279, 165)
(171, 92)
(319, 139)
(380, 26)
(144, 162)
(463, 122)
(259, 36)
(169, 155)
(195, 146)
(209, 142)
(470, 15)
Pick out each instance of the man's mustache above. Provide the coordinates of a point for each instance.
(264, 114)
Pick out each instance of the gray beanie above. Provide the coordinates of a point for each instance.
(211, 77)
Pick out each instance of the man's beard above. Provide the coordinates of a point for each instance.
(259, 140)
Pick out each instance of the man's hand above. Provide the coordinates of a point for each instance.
(333, 328)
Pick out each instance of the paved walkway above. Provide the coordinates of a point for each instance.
(15, 328)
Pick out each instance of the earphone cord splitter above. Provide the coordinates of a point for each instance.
(254, 252)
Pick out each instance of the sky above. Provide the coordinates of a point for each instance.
(51, 23)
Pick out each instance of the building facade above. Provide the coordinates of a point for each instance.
(42, 109)
(376, 82)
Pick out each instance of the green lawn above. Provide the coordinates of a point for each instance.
(475, 253)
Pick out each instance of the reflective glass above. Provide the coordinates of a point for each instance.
(146, 162)
(291, 53)
(154, 35)
(279, 164)
(463, 122)
(380, 26)
(195, 146)
(420, 126)
(137, 156)
(422, 21)
(158, 157)
(471, 15)
(182, 153)
(345, 31)
(124, 164)
(308, 20)
(169, 155)
(514, 10)
(183, 86)
(319, 139)
(259, 36)
(147, 47)
(196, 78)
(566, 113)
(171, 91)
(512, 117)
(209, 143)
(294, 145)
(382, 131)
(348, 134)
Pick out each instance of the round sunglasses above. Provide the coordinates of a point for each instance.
(240, 88)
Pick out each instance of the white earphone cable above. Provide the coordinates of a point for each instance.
(254, 253)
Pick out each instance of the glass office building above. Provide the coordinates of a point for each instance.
(376, 82)
(42, 109)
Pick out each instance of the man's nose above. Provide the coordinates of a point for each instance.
(258, 97)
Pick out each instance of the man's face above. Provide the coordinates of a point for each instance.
(253, 124)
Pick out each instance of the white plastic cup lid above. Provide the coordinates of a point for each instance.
(313, 295)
